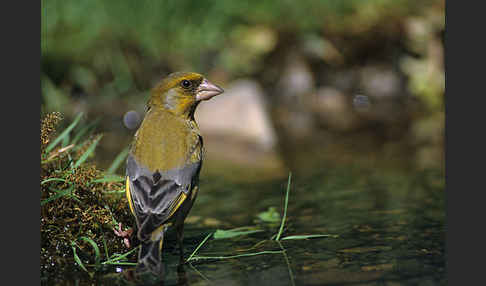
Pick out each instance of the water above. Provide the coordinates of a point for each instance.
(388, 225)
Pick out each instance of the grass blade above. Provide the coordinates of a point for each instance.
(307, 236)
(52, 179)
(105, 247)
(220, 234)
(58, 195)
(121, 263)
(88, 129)
(109, 179)
(64, 133)
(77, 259)
(95, 247)
(65, 140)
(87, 152)
(115, 192)
(235, 256)
(285, 208)
(115, 260)
(199, 246)
(118, 160)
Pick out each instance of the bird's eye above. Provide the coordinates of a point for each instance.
(185, 83)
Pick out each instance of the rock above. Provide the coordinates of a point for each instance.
(380, 81)
(294, 87)
(237, 130)
(343, 80)
(297, 78)
(333, 109)
(294, 123)
(239, 112)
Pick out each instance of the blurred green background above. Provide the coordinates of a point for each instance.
(309, 84)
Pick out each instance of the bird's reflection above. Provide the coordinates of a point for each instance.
(181, 275)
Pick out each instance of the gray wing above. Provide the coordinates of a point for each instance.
(156, 196)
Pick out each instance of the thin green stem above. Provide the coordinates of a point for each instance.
(199, 246)
(111, 261)
(234, 256)
(282, 223)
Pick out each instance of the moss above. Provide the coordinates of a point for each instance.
(48, 124)
(75, 204)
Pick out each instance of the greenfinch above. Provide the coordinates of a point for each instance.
(164, 161)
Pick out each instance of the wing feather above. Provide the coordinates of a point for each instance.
(154, 197)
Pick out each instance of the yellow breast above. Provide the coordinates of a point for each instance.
(165, 142)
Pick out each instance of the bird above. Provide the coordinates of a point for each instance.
(164, 161)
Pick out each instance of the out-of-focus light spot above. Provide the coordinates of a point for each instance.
(118, 269)
(131, 119)
(361, 102)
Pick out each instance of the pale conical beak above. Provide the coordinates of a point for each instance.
(206, 90)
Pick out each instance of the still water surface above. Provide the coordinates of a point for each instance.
(387, 227)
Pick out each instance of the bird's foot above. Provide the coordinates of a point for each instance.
(125, 234)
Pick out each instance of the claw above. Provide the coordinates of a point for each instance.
(126, 241)
(125, 234)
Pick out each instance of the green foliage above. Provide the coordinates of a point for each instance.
(76, 28)
(271, 215)
(220, 234)
(114, 47)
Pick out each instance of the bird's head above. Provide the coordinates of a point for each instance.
(181, 92)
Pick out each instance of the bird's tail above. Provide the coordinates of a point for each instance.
(150, 256)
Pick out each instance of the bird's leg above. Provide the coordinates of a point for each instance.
(181, 275)
(180, 236)
(125, 234)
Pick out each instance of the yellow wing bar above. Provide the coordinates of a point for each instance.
(177, 203)
(174, 207)
(129, 196)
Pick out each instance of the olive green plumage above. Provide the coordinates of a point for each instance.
(164, 162)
